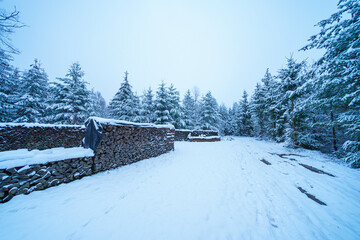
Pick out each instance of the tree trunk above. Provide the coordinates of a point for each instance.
(293, 124)
(333, 130)
(261, 127)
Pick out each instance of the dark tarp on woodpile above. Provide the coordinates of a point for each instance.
(93, 134)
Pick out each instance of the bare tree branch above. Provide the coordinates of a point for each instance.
(8, 23)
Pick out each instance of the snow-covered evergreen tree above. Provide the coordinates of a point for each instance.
(52, 96)
(98, 104)
(245, 127)
(162, 113)
(258, 110)
(339, 84)
(174, 108)
(31, 105)
(224, 121)
(123, 105)
(136, 109)
(188, 106)
(266, 116)
(311, 131)
(9, 91)
(291, 79)
(209, 117)
(237, 119)
(197, 104)
(147, 114)
(72, 104)
(9, 77)
(233, 119)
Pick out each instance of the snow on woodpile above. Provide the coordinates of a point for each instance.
(22, 157)
(23, 171)
(202, 138)
(130, 124)
(30, 125)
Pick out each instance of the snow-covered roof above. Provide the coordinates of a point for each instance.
(22, 157)
(29, 125)
(130, 124)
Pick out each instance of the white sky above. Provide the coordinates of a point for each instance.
(220, 45)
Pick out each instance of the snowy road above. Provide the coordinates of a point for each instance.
(218, 190)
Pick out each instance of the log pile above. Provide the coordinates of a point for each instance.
(41, 136)
(26, 179)
(204, 139)
(122, 145)
(188, 135)
(119, 145)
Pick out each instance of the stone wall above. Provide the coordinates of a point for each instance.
(121, 144)
(182, 134)
(39, 136)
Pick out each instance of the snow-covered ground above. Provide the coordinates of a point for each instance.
(216, 190)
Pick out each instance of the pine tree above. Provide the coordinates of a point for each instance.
(136, 109)
(123, 105)
(237, 119)
(273, 124)
(9, 77)
(174, 108)
(233, 119)
(52, 97)
(260, 105)
(209, 117)
(147, 114)
(72, 104)
(291, 79)
(224, 121)
(162, 114)
(15, 94)
(197, 111)
(98, 104)
(246, 128)
(188, 106)
(31, 106)
(339, 83)
(9, 94)
(264, 106)
(258, 111)
(310, 129)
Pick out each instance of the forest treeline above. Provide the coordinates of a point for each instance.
(314, 106)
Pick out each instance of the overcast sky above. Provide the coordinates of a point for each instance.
(223, 46)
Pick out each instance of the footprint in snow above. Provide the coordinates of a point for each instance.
(67, 200)
(87, 223)
(122, 196)
(272, 221)
(109, 210)
(248, 192)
